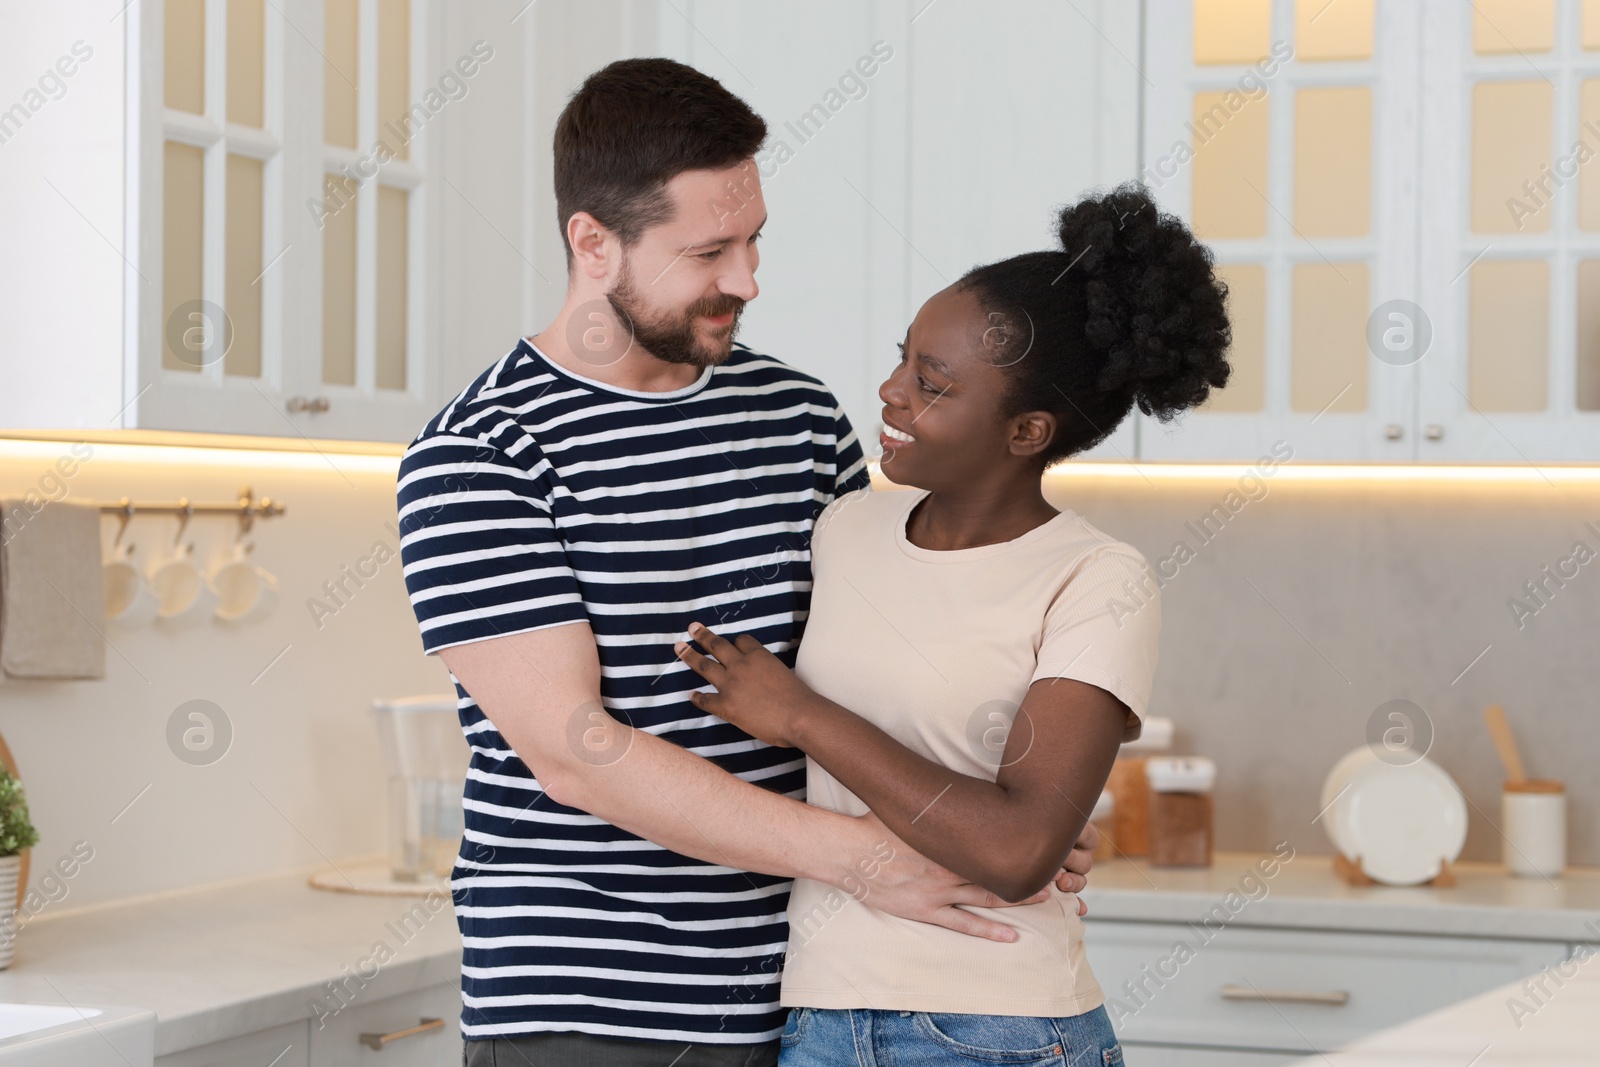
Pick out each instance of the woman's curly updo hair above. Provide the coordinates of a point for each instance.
(1127, 312)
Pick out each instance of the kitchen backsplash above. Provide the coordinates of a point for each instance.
(1296, 609)
(300, 782)
(1292, 610)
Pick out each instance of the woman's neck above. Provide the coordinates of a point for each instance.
(947, 522)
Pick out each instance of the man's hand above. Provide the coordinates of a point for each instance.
(893, 877)
(1074, 874)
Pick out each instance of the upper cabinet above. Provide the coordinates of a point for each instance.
(276, 217)
(907, 144)
(1395, 194)
(1283, 139)
(287, 164)
(325, 217)
(1510, 271)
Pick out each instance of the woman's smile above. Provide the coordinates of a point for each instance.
(892, 438)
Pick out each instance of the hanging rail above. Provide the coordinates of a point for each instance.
(247, 508)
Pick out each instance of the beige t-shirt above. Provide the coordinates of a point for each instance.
(938, 649)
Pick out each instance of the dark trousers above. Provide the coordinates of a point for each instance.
(588, 1050)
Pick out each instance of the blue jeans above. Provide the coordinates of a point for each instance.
(828, 1037)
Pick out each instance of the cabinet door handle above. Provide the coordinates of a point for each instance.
(1332, 997)
(378, 1041)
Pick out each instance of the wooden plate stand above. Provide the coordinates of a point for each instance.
(1351, 872)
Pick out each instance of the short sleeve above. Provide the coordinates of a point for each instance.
(850, 476)
(850, 462)
(1104, 628)
(478, 544)
(830, 515)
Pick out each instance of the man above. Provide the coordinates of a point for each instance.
(626, 859)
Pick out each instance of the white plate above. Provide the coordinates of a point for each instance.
(1333, 787)
(1401, 823)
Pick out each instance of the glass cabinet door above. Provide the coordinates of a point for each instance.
(1282, 131)
(282, 156)
(220, 174)
(367, 217)
(1511, 133)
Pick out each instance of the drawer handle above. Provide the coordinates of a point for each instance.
(1333, 997)
(378, 1041)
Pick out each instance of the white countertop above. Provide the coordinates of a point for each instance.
(1307, 894)
(223, 960)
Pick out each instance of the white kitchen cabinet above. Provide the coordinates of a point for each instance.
(1238, 131)
(1288, 990)
(128, 163)
(282, 298)
(280, 1046)
(1449, 315)
(1511, 240)
(885, 187)
(340, 1041)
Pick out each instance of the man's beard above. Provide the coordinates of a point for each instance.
(671, 338)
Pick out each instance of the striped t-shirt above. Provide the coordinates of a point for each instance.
(539, 497)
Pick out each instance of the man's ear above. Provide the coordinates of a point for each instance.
(591, 243)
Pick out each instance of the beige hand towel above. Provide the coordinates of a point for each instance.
(52, 591)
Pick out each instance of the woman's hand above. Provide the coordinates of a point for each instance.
(755, 691)
(1074, 874)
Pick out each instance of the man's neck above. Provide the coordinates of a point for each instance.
(630, 368)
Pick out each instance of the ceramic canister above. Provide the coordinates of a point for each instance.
(1533, 819)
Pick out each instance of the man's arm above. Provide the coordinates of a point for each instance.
(541, 688)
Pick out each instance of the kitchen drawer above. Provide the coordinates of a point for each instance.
(1202, 995)
(338, 1042)
(288, 1045)
(1173, 1056)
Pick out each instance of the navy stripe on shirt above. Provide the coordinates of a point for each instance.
(537, 498)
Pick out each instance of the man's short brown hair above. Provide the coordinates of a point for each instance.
(633, 126)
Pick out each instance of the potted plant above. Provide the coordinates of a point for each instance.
(16, 836)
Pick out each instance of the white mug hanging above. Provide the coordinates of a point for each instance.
(185, 596)
(245, 592)
(129, 598)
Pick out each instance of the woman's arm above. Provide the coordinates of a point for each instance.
(1009, 836)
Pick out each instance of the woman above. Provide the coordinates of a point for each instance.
(963, 673)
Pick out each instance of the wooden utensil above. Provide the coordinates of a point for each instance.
(1504, 743)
